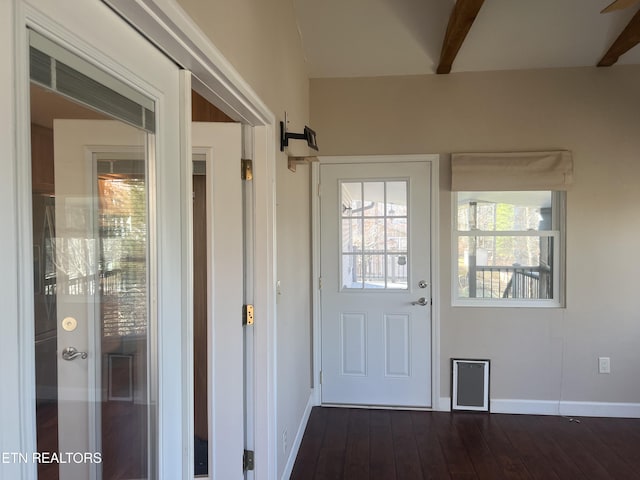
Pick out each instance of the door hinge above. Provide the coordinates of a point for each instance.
(248, 460)
(320, 377)
(320, 283)
(247, 169)
(247, 315)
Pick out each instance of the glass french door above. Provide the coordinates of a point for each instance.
(90, 197)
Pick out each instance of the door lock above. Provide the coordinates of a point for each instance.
(423, 284)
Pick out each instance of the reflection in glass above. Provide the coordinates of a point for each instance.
(504, 211)
(90, 222)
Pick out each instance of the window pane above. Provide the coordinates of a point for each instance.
(397, 271)
(396, 199)
(505, 267)
(351, 199)
(352, 271)
(374, 271)
(351, 235)
(373, 199)
(396, 234)
(504, 211)
(374, 235)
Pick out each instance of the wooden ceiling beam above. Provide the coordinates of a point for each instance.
(463, 15)
(628, 39)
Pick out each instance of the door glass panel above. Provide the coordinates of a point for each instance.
(374, 235)
(91, 291)
(373, 199)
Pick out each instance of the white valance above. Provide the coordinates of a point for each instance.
(511, 171)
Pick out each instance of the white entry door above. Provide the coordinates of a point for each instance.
(376, 284)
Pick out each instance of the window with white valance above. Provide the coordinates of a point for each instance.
(508, 227)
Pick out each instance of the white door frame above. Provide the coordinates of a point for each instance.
(434, 160)
(167, 25)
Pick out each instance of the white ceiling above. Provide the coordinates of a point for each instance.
(355, 38)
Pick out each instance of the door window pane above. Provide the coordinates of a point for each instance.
(91, 294)
(374, 235)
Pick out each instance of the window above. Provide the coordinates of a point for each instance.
(508, 248)
(374, 226)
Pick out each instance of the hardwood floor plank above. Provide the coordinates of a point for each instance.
(357, 455)
(458, 462)
(382, 464)
(331, 457)
(622, 435)
(595, 459)
(501, 448)
(545, 437)
(359, 444)
(525, 448)
(434, 465)
(307, 459)
(408, 465)
(469, 429)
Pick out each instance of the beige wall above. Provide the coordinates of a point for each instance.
(261, 41)
(539, 354)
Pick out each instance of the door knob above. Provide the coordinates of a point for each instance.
(71, 353)
(422, 301)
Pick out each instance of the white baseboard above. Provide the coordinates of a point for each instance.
(295, 446)
(555, 407)
(444, 405)
(600, 409)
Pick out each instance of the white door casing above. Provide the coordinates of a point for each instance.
(376, 342)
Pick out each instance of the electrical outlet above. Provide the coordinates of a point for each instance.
(604, 364)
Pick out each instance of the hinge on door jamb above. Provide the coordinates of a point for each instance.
(320, 377)
(248, 460)
(247, 169)
(247, 315)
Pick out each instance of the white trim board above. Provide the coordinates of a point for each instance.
(168, 26)
(295, 446)
(555, 407)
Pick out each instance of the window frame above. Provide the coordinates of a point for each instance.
(557, 232)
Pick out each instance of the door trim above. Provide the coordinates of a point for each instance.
(175, 33)
(434, 161)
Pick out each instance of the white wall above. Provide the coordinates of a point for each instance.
(260, 39)
(537, 354)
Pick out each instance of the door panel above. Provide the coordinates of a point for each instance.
(221, 142)
(376, 334)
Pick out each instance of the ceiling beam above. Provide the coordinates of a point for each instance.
(462, 17)
(628, 39)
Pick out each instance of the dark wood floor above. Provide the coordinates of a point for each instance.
(354, 444)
